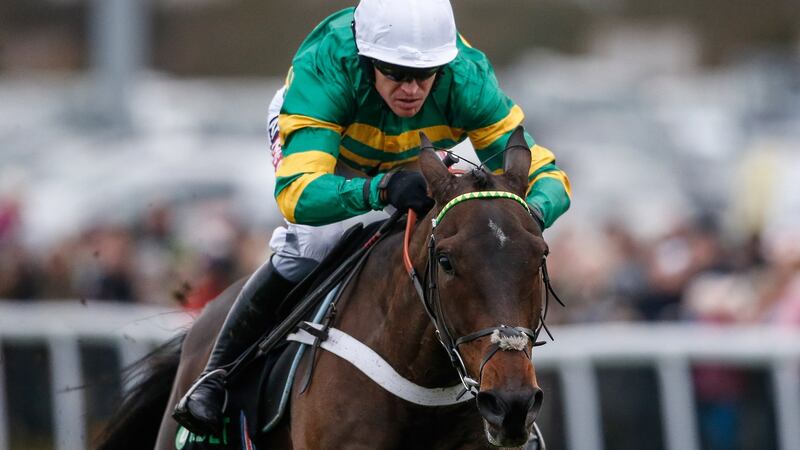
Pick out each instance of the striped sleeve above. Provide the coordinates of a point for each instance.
(548, 185)
(492, 122)
(306, 189)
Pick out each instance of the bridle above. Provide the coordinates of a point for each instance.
(429, 294)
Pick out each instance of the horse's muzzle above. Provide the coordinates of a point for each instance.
(508, 416)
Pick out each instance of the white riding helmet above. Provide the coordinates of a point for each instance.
(409, 33)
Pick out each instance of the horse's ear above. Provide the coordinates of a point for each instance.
(433, 169)
(517, 161)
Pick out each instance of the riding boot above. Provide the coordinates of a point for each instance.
(253, 312)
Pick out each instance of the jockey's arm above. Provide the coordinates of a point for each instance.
(548, 186)
(493, 117)
(306, 188)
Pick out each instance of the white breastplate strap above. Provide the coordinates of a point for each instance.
(376, 368)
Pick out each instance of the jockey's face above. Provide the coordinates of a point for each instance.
(405, 98)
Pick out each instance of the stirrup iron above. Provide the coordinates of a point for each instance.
(182, 403)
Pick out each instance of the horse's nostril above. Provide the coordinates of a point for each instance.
(535, 404)
(491, 407)
(510, 409)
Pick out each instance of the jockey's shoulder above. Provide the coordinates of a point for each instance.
(330, 41)
(471, 66)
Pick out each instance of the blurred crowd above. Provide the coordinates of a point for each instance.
(147, 261)
(692, 272)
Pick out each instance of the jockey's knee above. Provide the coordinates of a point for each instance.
(298, 249)
(293, 269)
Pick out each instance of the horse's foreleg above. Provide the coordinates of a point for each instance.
(342, 409)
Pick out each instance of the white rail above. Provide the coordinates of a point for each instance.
(61, 325)
(668, 349)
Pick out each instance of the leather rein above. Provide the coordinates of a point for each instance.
(428, 292)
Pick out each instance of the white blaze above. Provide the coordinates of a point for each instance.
(498, 233)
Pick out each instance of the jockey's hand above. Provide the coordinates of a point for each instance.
(537, 215)
(406, 190)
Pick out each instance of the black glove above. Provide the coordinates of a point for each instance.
(537, 215)
(406, 190)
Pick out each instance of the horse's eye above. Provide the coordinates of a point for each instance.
(444, 261)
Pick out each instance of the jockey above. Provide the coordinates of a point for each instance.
(362, 86)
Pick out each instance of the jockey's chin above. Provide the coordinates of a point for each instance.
(406, 108)
(404, 98)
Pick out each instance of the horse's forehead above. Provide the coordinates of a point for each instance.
(492, 223)
(498, 233)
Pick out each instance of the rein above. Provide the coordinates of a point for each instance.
(503, 337)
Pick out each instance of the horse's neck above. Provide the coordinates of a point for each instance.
(386, 313)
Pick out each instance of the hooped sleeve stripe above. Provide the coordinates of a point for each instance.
(542, 160)
(366, 165)
(486, 136)
(549, 195)
(377, 139)
(289, 123)
(289, 197)
(548, 187)
(540, 157)
(556, 175)
(312, 161)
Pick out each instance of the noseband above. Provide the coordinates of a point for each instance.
(503, 337)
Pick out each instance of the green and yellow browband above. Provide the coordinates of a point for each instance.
(476, 196)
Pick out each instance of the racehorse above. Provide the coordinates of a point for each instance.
(472, 319)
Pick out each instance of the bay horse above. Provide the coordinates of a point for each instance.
(483, 261)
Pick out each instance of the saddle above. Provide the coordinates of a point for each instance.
(277, 378)
(271, 374)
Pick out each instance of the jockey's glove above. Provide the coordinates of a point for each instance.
(406, 190)
(537, 215)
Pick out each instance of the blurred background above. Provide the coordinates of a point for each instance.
(135, 184)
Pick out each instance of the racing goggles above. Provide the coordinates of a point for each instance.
(402, 74)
